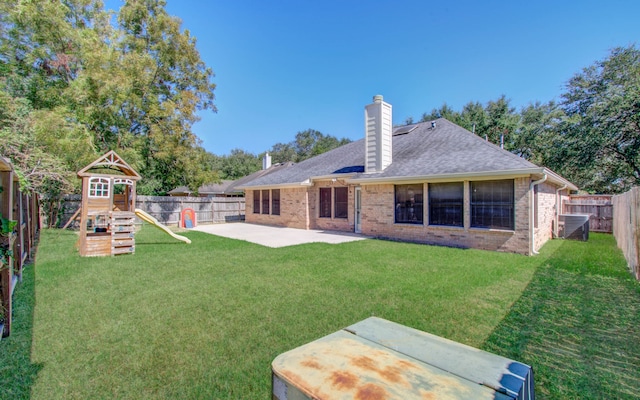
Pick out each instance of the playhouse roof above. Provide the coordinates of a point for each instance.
(5, 164)
(110, 161)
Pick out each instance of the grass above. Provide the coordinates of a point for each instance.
(578, 323)
(206, 320)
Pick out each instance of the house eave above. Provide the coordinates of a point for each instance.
(557, 179)
(461, 176)
(293, 185)
(482, 175)
(330, 176)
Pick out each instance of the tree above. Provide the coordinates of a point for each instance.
(239, 163)
(474, 118)
(170, 83)
(307, 144)
(535, 138)
(282, 152)
(501, 123)
(36, 168)
(601, 132)
(445, 111)
(496, 121)
(135, 86)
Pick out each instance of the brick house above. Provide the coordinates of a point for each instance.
(432, 182)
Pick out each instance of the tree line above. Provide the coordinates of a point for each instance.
(591, 136)
(77, 80)
(306, 144)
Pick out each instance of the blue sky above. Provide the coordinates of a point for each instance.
(286, 66)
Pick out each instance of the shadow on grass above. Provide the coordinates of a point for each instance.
(17, 373)
(578, 324)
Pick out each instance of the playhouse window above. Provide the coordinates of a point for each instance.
(99, 187)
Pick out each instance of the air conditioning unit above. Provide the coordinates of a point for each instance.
(573, 226)
(380, 359)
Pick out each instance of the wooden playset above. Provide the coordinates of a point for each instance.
(107, 214)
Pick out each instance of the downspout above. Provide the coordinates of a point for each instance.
(532, 208)
(558, 205)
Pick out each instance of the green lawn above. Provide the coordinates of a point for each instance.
(205, 320)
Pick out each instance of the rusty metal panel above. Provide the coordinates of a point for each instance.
(344, 365)
(483, 368)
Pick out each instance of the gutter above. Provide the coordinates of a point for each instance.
(331, 176)
(276, 186)
(558, 205)
(532, 229)
(306, 182)
(457, 176)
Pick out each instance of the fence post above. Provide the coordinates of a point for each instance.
(636, 231)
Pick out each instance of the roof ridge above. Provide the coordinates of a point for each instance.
(487, 142)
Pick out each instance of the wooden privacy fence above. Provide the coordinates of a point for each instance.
(167, 209)
(21, 211)
(599, 208)
(626, 227)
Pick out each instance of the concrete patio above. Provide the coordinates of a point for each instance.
(274, 236)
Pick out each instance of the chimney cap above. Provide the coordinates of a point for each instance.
(377, 98)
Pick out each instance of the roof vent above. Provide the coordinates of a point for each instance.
(433, 124)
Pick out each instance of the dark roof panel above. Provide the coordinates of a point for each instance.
(420, 150)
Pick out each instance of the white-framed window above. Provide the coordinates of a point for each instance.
(123, 181)
(99, 187)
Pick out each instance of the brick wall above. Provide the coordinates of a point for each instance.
(378, 221)
(334, 224)
(546, 214)
(293, 209)
(299, 208)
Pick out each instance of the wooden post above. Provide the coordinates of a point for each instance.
(18, 248)
(6, 276)
(73, 217)
(635, 206)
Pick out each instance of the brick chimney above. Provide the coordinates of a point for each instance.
(378, 132)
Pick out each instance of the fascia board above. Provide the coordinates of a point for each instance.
(555, 178)
(330, 176)
(278, 186)
(484, 175)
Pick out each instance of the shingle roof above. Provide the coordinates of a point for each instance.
(447, 149)
(232, 187)
(237, 185)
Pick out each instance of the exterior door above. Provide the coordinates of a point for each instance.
(358, 212)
